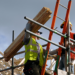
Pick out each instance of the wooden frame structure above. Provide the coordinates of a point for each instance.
(4, 65)
(19, 70)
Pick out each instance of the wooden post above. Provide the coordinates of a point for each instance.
(74, 69)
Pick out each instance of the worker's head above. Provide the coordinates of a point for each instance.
(62, 25)
(38, 33)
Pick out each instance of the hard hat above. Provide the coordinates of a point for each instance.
(61, 26)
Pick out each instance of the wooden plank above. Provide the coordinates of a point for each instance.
(42, 17)
(50, 58)
(45, 9)
(74, 69)
(61, 72)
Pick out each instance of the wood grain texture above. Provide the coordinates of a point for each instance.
(42, 17)
(61, 72)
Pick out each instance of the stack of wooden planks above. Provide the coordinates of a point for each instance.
(42, 17)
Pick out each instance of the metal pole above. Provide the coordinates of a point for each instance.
(72, 51)
(12, 57)
(37, 23)
(11, 68)
(63, 6)
(44, 45)
(20, 52)
(45, 39)
(60, 18)
(72, 40)
(55, 31)
(69, 60)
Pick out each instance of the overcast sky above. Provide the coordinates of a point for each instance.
(12, 14)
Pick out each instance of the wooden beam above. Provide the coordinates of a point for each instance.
(74, 69)
(42, 17)
(61, 72)
(50, 57)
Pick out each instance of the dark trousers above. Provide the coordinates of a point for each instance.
(62, 62)
(32, 68)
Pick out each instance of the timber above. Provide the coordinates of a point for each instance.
(61, 72)
(42, 17)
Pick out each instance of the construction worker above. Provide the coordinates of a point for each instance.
(72, 47)
(33, 54)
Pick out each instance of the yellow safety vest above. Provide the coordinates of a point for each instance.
(31, 52)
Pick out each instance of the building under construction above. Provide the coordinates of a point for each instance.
(15, 66)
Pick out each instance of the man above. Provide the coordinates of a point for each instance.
(33, 54)
(72, 46)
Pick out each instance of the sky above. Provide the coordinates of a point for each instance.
(12, 14)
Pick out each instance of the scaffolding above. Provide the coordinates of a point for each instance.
(62, 38)
(7, 68)
(50, 42)
(4, 66)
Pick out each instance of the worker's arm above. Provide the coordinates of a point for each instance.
(27, 35)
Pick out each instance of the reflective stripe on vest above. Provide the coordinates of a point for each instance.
(32, 52)
(31, 43)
